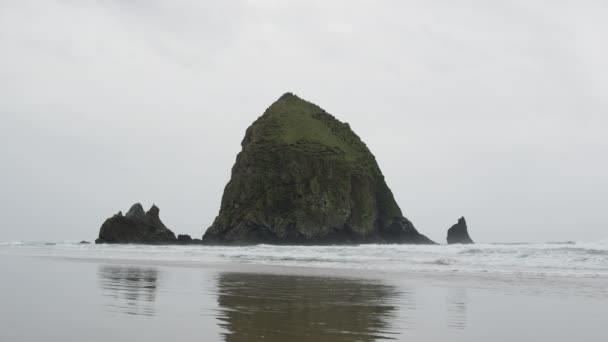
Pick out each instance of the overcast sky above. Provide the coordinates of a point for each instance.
(495, 110)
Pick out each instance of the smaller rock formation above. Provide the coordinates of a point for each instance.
(136, 226)
(185, 239)
(459, 233)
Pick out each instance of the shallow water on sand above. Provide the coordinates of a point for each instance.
(63, 298)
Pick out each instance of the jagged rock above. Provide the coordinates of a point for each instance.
(303, 177)
(458, 233)
(136, 226)
(136, 212)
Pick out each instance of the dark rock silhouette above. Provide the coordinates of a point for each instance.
(303, 177)
(184, 238)
(136, 226)
(459, 233)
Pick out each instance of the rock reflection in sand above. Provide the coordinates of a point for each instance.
(304, 308)
(278, 307)
(458, 301)
(129, 289)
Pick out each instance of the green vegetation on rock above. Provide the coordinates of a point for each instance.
(304, 177)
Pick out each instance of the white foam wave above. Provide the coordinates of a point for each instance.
(574, 259)
(11, 243)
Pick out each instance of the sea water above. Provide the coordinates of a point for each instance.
(574, 259)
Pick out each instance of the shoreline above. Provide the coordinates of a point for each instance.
(586, 286)
(555, 265)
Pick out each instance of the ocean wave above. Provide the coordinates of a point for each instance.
(11, 243)
(471, 251)
(442, 262)
(578, 259)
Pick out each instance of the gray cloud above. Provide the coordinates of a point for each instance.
(495, 111)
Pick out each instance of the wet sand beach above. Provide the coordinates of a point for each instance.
(54, 298)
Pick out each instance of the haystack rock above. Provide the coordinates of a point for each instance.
(459, 233)
(303, 177)
(136, 226)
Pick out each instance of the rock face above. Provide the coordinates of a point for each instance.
(303, 177)
(136, 226)
(459, 233)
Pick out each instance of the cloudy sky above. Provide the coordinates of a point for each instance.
(495, 110)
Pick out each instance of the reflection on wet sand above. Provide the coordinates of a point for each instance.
(458, 300)
(300, 308)
(130, 290)
(284, 308)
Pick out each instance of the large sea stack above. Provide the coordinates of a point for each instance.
(137, 226)
(459, 233)
(303, 177)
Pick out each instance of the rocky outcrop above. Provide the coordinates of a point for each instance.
(459, 233)
(137, 226)
(303, 177)
(186, 239)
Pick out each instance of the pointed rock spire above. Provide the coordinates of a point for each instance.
(459, 233)
(136, 211)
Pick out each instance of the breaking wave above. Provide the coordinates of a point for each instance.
(586, 259)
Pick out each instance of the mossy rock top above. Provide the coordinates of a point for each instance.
(304, 177)
(293, 121)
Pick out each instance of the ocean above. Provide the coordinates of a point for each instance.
(485, 292)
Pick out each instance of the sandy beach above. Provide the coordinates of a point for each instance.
(74, 296)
